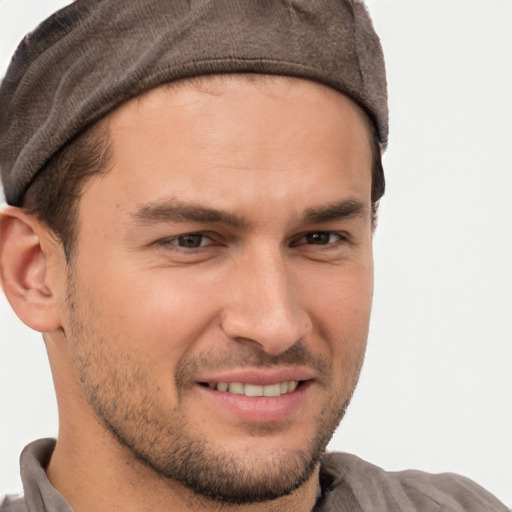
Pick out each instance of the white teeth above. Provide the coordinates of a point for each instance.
(252, 390)
(272, 390)
(238, 388)
(292, 386)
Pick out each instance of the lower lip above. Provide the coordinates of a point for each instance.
(259, 409)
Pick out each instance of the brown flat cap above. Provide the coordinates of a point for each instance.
(93, 55)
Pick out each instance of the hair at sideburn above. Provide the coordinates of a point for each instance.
(54, 194)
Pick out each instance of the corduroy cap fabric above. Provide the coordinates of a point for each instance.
(94, 55)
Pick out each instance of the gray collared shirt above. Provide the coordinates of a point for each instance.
(348, 484)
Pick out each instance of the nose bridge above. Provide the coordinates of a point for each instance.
(264, 307)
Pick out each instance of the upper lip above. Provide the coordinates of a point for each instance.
(259, 376)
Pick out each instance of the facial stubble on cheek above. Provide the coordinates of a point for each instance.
(122, 394)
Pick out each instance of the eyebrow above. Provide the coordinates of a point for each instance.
(346, 209)
(176, 211)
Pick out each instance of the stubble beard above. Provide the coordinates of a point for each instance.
(120, 392)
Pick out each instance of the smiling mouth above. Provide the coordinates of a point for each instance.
(254, 390)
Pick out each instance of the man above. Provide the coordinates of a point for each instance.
(194, 188)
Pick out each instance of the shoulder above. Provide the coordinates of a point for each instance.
(13, 504)
(372, 488)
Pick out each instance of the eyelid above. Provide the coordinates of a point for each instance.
(214, 239)
(173, 240)
(343, 236)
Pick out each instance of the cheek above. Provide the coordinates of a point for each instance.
(340, 303)
(155, 314)
(340, 310)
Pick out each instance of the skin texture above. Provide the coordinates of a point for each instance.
(272, 180)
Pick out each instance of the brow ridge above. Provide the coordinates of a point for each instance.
(177, 211)
(345, 209)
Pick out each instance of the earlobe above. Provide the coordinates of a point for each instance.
(25, 253)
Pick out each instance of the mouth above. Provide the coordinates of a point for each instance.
(255, 390)
(256, 403)
(257, 395)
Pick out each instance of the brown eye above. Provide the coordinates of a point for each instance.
(187, 241)
(318, 238)
(190, 241)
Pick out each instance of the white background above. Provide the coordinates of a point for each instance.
(436, 390)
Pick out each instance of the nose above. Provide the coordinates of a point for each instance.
(264, 304)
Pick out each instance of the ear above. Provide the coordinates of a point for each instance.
(26, 252)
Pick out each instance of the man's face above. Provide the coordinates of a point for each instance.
(227, 253)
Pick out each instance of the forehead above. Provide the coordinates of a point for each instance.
(277, 88)
(254, 134)
(242, 107)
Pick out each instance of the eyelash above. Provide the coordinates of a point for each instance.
(191, 238)
(319, 235)
(341, 237)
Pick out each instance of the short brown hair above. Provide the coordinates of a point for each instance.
(54, 194)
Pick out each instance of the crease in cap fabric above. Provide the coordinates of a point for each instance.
(92, 56)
